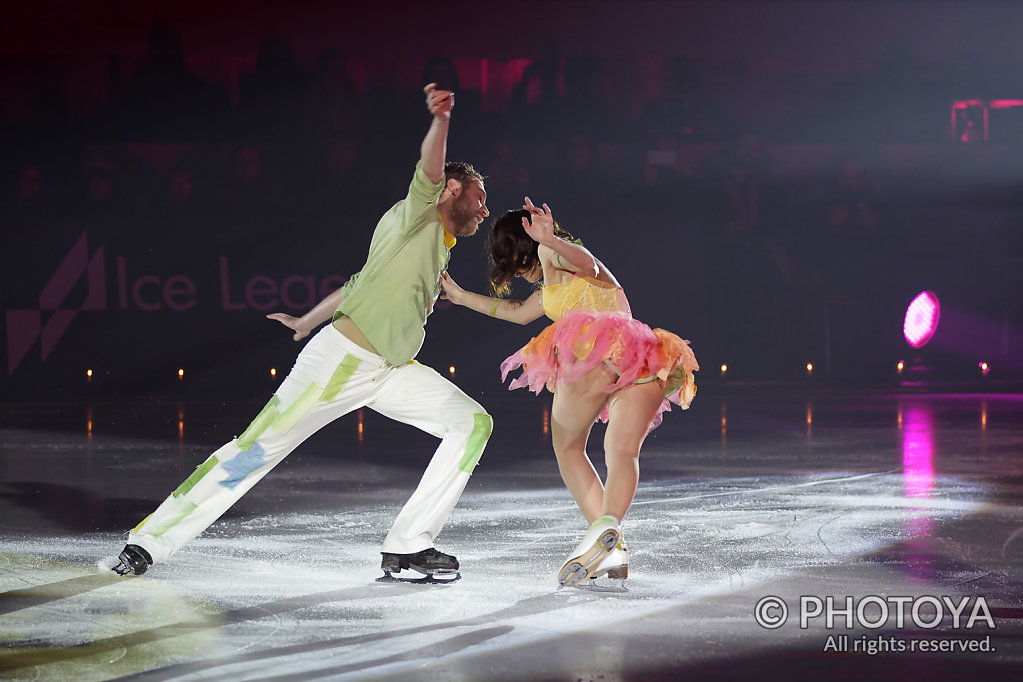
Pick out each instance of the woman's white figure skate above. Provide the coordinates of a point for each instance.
(600, 540)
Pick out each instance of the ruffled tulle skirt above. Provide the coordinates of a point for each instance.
(583, 340)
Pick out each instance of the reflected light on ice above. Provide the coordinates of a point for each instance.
(917, 450)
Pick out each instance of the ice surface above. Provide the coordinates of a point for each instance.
(881, 495)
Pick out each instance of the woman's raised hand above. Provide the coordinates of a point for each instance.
(542, 227)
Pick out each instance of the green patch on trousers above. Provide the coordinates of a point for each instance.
(483, 425)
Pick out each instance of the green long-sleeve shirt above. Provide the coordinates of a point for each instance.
(390, 298)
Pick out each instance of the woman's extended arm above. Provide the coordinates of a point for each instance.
(520, 312)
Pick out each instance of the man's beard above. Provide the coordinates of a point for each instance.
(463, 217)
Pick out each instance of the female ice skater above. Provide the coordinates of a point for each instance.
(598, 361)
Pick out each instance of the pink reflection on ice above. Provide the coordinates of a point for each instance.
(917, 427)
(917, 450)
(921, 319)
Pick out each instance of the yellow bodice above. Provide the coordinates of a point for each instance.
(583, 293)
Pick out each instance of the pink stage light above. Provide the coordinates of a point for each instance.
(921, 320)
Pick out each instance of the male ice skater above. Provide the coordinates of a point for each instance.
(363, 358)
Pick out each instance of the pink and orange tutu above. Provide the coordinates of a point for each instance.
(581, 339)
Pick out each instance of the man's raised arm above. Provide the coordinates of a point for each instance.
(435, 145)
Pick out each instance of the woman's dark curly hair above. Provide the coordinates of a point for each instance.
(511, 250)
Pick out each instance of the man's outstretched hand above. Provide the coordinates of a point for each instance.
(294, 323)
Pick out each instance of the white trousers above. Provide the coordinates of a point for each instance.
(332, 377)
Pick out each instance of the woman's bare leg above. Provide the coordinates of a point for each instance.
(576, 406)
(630, 412)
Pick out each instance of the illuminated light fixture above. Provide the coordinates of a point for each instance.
(181, 374)
(451, 369)
(273, 371)
(88, 374)
(921, 319)
(984, 368)
(966, 129)
(724, 370)
(809, 369)
(900, 367)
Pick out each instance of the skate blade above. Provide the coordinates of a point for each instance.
(604, 586)
(437, 578)
(580, 568)
(113, 566)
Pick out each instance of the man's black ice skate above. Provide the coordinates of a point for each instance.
(427, 566)
(133, 560)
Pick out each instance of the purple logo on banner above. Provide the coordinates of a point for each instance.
(24, 327)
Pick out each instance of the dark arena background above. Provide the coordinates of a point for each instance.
(775, 180)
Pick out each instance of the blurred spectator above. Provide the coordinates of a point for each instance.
(509, 179)
(842, 234)
(31, 235)
(389, 120)
(662, 176)
(735, 182)
(676, 108)
(163, 100)
(334, 178)
(103, 203)
(49, 105)
(250, 190)
(536, 108)
(744, 210)
(574, 181)
(179, 195)
(333, 106)
(661, 198)
(183, 224)
(852, 204)
(588, 111)
(473, 124)
(271, 100)
(102, 197)
(28, 197)
(442, 71)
